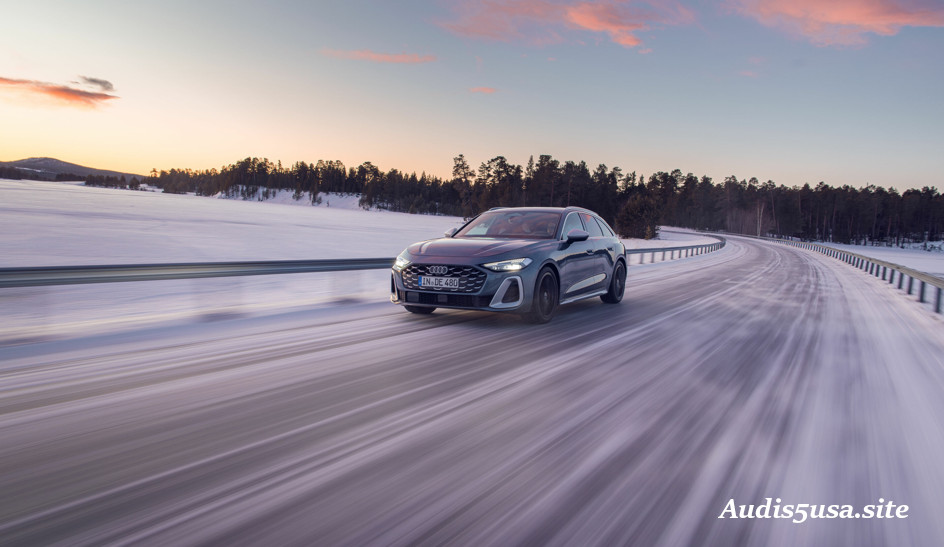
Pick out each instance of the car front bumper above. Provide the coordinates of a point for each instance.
(500, 292)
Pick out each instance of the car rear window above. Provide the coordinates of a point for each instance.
(607, 231)
(592, 227)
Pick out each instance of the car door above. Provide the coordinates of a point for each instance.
(614, 248)
(577, 263)
(599, 267)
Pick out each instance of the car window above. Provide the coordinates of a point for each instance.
(572, 223)
(477, 228)
(592, 227)
(513, 224)
(607, 231)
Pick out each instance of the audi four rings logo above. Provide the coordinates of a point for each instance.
(438, 270)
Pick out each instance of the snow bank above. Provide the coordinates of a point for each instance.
(670, 237)
(350, 202)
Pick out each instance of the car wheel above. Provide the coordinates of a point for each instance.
(617, 285)
(546, 297)
(422, 310)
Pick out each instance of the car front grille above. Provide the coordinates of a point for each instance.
(471, 278)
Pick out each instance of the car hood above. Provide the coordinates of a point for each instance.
(477, 247)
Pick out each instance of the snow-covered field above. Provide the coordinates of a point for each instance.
(930, 262)
(55, 224)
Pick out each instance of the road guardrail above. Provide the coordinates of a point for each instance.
(683, 252)
(77, 275)
(888, 271)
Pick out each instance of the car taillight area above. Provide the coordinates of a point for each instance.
(461, 279)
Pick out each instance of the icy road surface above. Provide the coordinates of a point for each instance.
(757, 371)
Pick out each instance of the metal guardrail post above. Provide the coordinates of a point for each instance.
(921, 291)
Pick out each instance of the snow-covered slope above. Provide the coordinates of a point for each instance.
(50, 167)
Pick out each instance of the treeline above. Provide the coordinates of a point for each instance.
(113, 182)
(633, 204)
(13, 173)
(842, 215)
(496, 183)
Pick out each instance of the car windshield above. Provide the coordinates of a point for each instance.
(512, 224)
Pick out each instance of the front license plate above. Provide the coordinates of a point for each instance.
(439, 282)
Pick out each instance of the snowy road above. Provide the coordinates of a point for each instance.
(757, 371)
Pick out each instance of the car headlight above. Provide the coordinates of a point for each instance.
(512, 265)
(401, 262)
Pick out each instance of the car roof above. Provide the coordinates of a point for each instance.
(544, 209)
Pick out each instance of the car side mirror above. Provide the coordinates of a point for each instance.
(577, 235)
(451, 232)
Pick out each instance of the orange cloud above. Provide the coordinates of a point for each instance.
(367, 55)
(544, 21)
(486, 90)
(842, 22)
(60, 93)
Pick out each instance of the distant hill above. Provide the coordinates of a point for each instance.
(49, 168)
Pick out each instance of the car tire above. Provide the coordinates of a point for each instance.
(546, 297)
(617, 285)
(422, 310)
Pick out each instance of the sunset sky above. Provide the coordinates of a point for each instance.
(794, 91)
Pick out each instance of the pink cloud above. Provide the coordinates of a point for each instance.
(842, 22)
(748, 73)
(606, 18)
(485, 90)
(544, 21)
(503, 20)
(61, 94)
(367, 55)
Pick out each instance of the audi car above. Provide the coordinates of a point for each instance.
(524, 260)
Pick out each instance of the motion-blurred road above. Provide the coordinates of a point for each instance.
(757, 371)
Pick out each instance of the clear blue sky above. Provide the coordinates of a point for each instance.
(845, 91)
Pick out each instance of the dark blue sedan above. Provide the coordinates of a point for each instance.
(525, 260)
